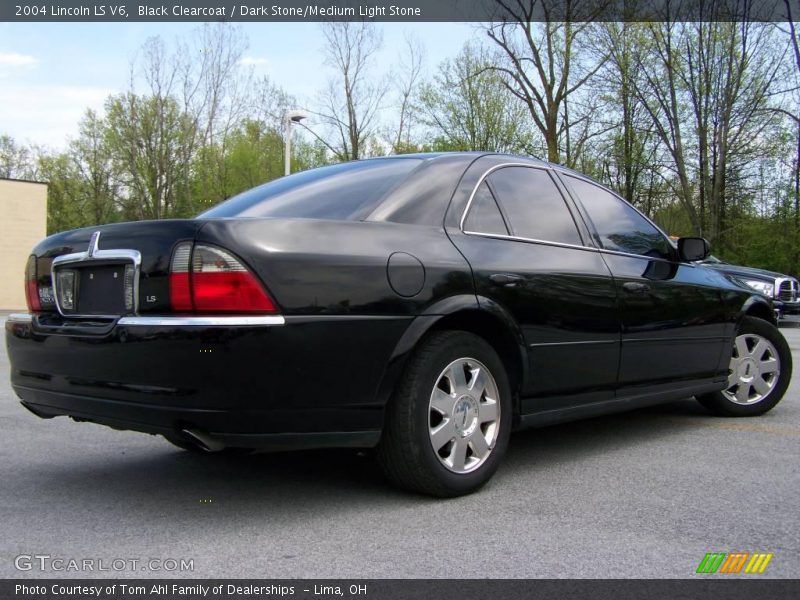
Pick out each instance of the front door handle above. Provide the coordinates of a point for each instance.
(639, 289)
(506, 279)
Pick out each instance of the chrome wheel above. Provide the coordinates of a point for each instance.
(464, 415)
(754, 369)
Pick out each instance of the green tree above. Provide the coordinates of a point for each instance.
(351, 102)
(64, 210)
(251, 155)
(98, 194)
(82, 186)
(543, 67)
(467, 107)
(628, 157)
(151, 143)
(16, 160)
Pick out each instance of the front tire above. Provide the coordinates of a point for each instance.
(760, 371)
(449, 421)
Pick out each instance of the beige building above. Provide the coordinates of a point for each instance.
(23, 223)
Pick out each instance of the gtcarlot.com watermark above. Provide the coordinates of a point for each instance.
(46, 562)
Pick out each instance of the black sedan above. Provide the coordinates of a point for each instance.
(424, 305)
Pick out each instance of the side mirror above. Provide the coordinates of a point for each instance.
(693, 248)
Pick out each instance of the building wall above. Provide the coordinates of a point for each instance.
(23, 223)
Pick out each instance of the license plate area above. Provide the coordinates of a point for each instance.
(97, 282)
(95, 288)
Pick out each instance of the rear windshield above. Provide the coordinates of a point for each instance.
(348, 191)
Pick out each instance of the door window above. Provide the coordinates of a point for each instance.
(534, 206)
(619, 226)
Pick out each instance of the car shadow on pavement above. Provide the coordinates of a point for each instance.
(168, 480)
(625, 431)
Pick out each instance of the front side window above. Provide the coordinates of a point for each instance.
(534, 206)
(619, 226)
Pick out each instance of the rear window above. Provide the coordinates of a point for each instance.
(348, 191)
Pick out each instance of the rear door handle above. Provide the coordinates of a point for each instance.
(506, 279)
(640, 289)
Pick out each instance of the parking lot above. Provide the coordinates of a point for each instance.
(642, 494)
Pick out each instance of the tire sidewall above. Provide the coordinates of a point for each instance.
(771, 333)
(467, 346)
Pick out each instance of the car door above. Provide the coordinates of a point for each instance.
(674, 323)
(527, 256)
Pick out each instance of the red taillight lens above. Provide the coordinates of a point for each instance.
(32, 286)
(227, 292)
(216, 283)
(220, 283)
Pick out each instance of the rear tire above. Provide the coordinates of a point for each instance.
(448, 423)
(760, 371)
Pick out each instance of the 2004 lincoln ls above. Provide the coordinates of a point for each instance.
(425, 305)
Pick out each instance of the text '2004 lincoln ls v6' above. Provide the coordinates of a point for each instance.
(423, 305)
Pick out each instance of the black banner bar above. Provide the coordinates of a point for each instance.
(701, 588)
(396, 10)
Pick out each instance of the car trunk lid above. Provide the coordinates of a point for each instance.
(109, 270)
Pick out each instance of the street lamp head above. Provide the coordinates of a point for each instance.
(289, 117)
(295, 116)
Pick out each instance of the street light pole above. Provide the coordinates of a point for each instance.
(291, 116)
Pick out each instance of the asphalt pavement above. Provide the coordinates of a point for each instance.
(642, 494)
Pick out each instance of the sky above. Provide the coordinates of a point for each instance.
(50, 73)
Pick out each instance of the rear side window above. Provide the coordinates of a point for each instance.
(484, 215)
(533, 205)
(349, 191)
(619, 226)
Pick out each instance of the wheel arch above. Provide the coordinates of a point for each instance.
(756, 306)
(476, 315)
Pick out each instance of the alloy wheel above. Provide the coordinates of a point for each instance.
(464, 415)
(754, 369)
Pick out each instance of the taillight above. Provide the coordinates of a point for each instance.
(220, 283)
(216, 283)
(180, 293)
(32, 285)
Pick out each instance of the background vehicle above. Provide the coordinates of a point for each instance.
(783, 289)
(424, 304)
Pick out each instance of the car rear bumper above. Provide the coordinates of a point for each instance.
(259, 382)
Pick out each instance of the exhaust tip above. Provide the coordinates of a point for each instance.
(203, 440)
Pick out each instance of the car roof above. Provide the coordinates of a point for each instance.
(469, 155)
